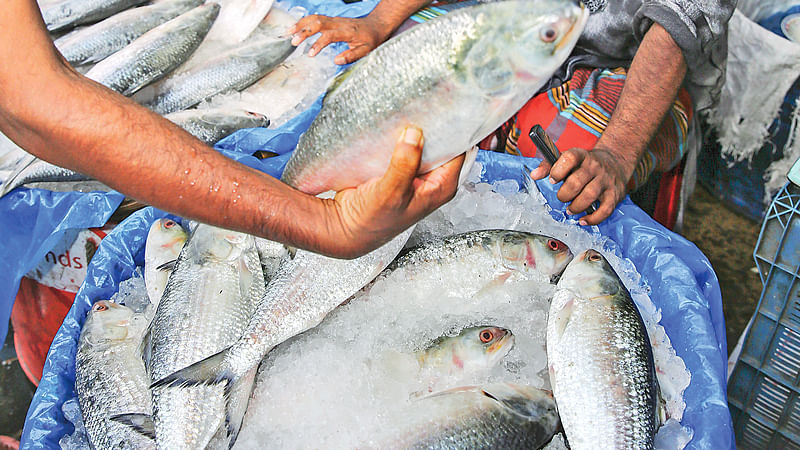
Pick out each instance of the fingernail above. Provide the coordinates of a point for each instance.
(570, 212)
(552, 181)
(582, 222)
(412, 136)
(312, 52)
(339, 60)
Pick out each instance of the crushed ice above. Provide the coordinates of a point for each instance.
(338, 385)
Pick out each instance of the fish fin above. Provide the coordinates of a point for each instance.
(563, 316)
(527, 181)
(141, 423)
(207, 371)
(169, 265)
(291, 251)
(339, 78)
(497, 281)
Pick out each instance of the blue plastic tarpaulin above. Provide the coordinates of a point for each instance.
(683, 284)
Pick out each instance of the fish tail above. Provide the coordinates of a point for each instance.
(204, 372)
(141, 423)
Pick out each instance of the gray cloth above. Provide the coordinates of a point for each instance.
(699, 27)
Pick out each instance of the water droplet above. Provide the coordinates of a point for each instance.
(186, 172)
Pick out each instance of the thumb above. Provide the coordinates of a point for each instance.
(403, 167)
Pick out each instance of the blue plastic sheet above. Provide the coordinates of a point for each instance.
(683, 283)
(33, 221)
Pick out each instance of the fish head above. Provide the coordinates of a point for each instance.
(487, 343)
(590, 276)
(108, 322)
(531, 253)
(165, 237)
(218, 244)
(522, 42)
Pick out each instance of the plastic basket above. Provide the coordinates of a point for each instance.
(764, 388)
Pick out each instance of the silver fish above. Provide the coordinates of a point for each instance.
(211, 125)
(302, 292)
(40, 171)
(164, 243)
(110, 377)
(458, 77)
(503, 415)
(600, 360)
(155, 53)
(234, 70)
(96, 42)
(473, 349)
(206, 306)
(487, 257)
(70, 13)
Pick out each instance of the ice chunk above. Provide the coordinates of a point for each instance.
(78, 439)
(133, 294)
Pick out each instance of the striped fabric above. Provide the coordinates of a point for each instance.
(576, 113)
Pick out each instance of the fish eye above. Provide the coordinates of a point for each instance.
(169, 224)
(100, 307)
(486, 336)
(594, 257)
(548, 34)
(555, 245)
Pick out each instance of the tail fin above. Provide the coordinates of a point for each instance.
(141, 423)
(204, 372)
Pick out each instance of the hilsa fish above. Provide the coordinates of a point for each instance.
(457, 77)
(600, 360)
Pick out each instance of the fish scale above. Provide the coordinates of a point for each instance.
(234, 70)
(66, 14)
(206, 305)
(96, 42)
(110, 377)
(458, 77)
(600, 360)
(156, 52)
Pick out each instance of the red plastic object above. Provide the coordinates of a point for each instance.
(669, 197)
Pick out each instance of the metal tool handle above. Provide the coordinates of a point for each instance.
(551, 153)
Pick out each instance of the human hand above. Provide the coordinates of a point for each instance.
(588, 176)
(372, 213)
(362, 35)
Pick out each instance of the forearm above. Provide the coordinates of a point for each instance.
(653, 81)
(110, 138)
(390, 14)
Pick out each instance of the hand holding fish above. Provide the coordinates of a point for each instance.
(374, 212)
(588, 176)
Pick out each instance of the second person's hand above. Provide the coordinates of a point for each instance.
(362, 35)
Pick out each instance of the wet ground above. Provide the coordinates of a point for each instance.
(727, 239)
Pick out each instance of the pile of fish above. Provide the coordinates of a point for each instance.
(222, 301)
(128, 47)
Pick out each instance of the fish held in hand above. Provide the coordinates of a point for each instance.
(600, 360)
(457, 77)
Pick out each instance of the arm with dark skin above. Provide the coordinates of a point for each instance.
(362, 35)
(653, 81)
(60, 116)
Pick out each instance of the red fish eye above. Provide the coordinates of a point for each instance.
(555, 245)
(486, 336)
(169, 224)
(100, 307)
(548, 34)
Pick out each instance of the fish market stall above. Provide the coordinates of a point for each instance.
(508, 241)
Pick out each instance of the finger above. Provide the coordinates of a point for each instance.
(305, 27)
(590, 193)
(574, 184)
(607, 204)
(542, 171)
(403, 167)
(566, 163)
(353, 54)
(324, 39)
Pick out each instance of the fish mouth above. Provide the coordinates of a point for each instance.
(501, 343)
